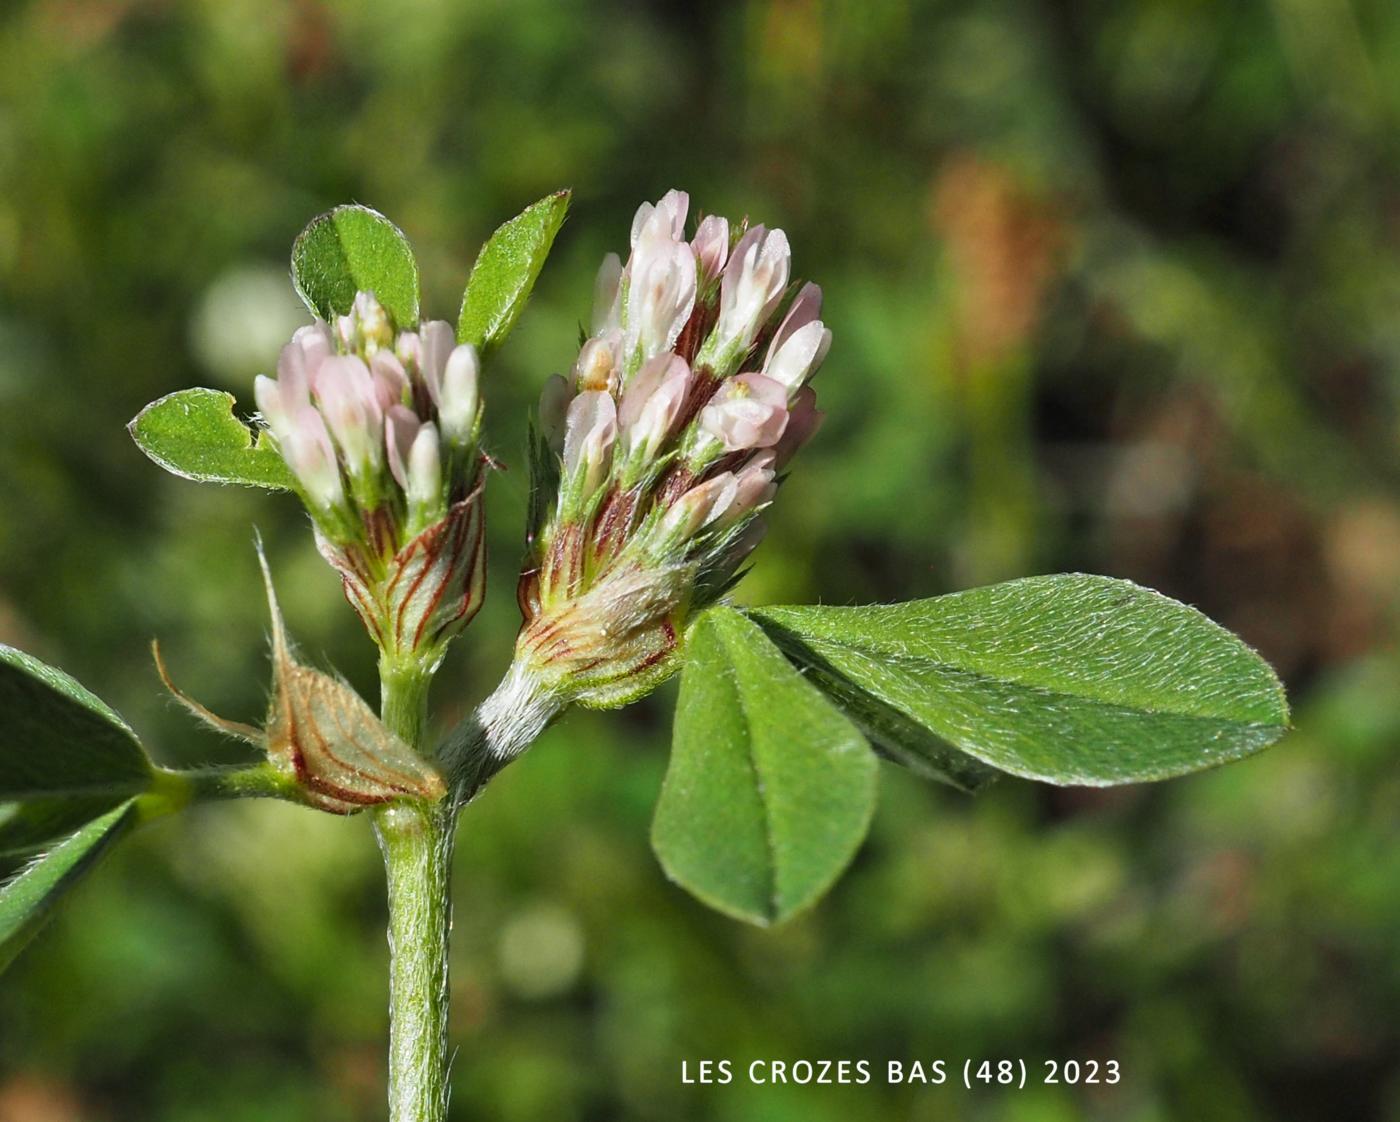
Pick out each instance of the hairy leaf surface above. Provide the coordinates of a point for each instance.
(770, 788)
(1068, 679)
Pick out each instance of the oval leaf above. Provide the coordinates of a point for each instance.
(770, 788)
(506, 269)
(28, 899)
(1067, 679)
(355, 249)
(194, 434)
(56, 738)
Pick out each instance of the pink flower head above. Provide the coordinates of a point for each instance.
(749, 411)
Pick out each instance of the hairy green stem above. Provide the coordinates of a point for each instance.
(416, 840)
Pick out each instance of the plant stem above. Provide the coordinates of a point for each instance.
(416, 840)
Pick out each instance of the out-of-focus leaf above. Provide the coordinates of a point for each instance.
(28, 826)
(770, 788)
(28, 899)
(56, 738)
(194, 433)
(506, 269)
(1068, 679)
(355, 249)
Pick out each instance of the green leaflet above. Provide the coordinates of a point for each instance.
(770, 788)
(28, 899)
(505, 271)
(1067, 679)
(58, 739)
(355, 249)
(29, 826)
(194, 433)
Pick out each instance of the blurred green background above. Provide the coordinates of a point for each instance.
(1115, 286)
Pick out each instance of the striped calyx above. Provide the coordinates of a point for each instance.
(329, 746)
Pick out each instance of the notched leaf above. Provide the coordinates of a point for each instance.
(322, 735)
(194, 434)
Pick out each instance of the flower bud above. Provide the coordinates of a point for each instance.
(749, 411)
(390, 379)
(606, 289)
(755, 486)
(711, 247)
(436, 341)
(554, 407)
(460, 394)
(665, 220)
(425, 469)
(268, 394)
(753, 284)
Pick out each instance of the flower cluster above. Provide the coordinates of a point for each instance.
(379, 427)
(658, 453)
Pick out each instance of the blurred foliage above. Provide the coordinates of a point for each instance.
(1115, 286)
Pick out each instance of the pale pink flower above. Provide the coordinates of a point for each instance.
(607, 288)
(700, 506)
(346, 395)
(590, 430)
(308, 451)
(652, 404)
(797, 359)
(711, 246)
(401, 425)
(804, 419)
(749, 411)
(753, 284)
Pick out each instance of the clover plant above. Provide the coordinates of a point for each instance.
(652, 465)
